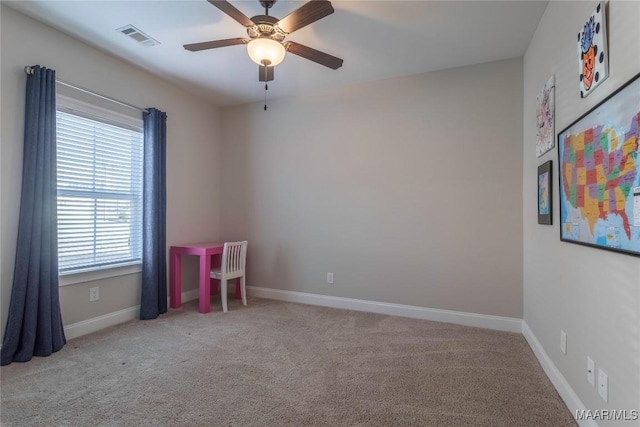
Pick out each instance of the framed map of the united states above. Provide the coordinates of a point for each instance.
(599, 165)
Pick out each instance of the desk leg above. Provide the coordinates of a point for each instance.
(175, 280)
(205, 288)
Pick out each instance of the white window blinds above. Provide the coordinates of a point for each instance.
(99, 172)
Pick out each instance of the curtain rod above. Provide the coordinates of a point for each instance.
(29, 70)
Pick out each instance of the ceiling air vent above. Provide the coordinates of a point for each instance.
(137, 35)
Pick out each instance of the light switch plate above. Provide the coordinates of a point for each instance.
(603, 385)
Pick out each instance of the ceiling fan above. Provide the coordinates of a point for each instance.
(266, 45)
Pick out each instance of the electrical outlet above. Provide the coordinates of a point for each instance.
(591, 371)
(603, 385)
(94, 294)
(563, 342)
(330, 278)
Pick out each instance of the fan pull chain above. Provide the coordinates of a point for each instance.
(266, 88)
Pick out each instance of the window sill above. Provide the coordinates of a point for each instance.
(90, 276)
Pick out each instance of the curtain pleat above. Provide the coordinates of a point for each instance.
(153, 299)
(34, 324)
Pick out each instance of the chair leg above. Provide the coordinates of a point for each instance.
(223, 294)
(243, 291)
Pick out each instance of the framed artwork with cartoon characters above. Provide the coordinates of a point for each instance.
(592, 51)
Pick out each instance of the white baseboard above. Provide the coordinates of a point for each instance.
(195, 294)
(95, 324)
(565, 391)
(190, 295)
(499, 323)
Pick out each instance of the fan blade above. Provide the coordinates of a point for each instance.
(314, 55)
(194, 47)
(230, 10)
(265, 74)
(305, 15)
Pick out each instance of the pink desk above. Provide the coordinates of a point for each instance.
(204, 251)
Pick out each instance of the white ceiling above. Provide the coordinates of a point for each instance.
(376, 39)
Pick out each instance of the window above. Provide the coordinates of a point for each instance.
(99, 172)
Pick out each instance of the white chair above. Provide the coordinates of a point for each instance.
(232, 266)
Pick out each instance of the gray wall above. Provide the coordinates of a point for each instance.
(593, 295)
(408, 190)
(193, 152)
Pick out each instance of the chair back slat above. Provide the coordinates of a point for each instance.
(234, 257)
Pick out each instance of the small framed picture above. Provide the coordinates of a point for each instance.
(544, 193)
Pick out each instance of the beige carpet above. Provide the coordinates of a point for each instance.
(282, 364)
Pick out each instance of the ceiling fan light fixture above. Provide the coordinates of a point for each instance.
(265, 51)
